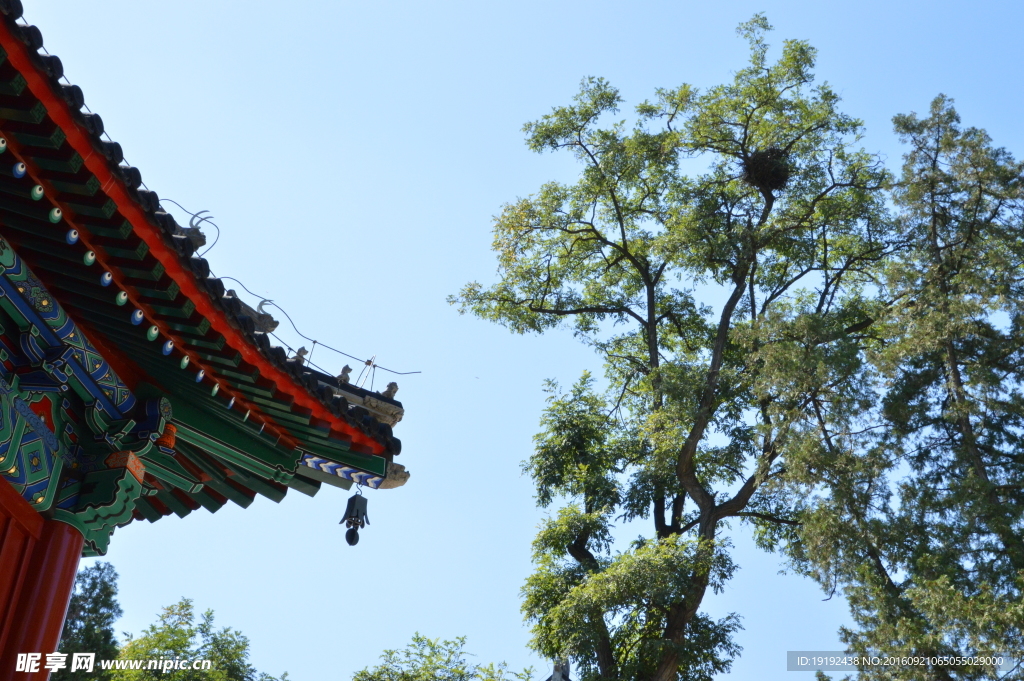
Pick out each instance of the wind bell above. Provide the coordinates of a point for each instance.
(355, 517)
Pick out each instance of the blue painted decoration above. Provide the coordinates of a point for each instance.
(341, 470)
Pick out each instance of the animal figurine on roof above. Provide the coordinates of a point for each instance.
(195, 235)
(300, 356)
(193, 232)
(265, 322)
(345, 375)
(390, 391)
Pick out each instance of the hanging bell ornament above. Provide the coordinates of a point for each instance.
(355, 518)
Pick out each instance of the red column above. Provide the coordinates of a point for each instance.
(38, 563)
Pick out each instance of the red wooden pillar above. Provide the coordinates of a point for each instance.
(38, 562)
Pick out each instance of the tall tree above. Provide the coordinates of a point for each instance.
(89, 625)
(703, 405)
(428, 659)
(932, 551)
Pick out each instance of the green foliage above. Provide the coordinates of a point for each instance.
(178, 634)
(856, 397)
(428, 659)
(89, 624)
(925, 525)
(708, 414)
(623, 592)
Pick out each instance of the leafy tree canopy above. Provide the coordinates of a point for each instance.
(706, 409)
(428, 659)
(853, 396)
(178, 633)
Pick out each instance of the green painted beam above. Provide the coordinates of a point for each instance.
(147, 510)
(198, 428)
(183, 310)
(79, 270)
(199, 328)
(280, 412)
(255, 390)
(27, 114)
(63, 161)
(320, 476)
(126, 249)
(151, 271)
(217, 482)
(170, 501)
(86, 185)
(305, 485)
(207, 501)
(13, 85)
(211, 341)
(110, 229)
(217, 358)
(164, 468)
(273, 491)
(40, 233)
(92, 209)
(41, 136)
(168, 290)
(244, 376)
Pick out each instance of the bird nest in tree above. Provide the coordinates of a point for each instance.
(767, 169)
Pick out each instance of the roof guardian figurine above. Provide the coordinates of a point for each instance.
(355, 518)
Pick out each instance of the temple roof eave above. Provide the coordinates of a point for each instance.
(151, 226)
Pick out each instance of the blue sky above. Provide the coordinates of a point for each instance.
(353, 155)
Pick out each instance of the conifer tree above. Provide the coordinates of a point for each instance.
(924, 525)
(89, 624)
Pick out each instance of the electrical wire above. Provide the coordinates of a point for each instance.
(292, 350)
(262, 299)
(374, 365)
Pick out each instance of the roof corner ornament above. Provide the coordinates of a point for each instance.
(346, 374)
(396, 476)
(355, 517)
